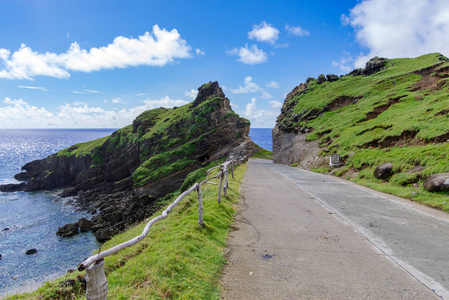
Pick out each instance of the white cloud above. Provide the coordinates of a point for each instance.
(297, 30)
(251, 87)
(264, 32)
(345, 62)
(273, 85)
(87, 92)
(400, 28)
(250, 56)
(159, 48)
(192, 93)
(20, 114)
(141, 94)
(234, 106)
(259, 118)
(199, 52)
(276, 104)
(116, 100)
(33, 88)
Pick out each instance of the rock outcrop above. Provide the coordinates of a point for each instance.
(119, 177)
(437, 182)
(383, 171)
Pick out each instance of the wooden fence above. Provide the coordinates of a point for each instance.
(96, 287)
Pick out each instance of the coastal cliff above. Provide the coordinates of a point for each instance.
(120, 176)
(393, 113)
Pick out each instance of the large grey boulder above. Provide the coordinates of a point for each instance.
(68, 230)
(383, 171)
(437, 182)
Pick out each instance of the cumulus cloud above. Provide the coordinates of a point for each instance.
(116, 100)
(199, 52)
(273, 85)
(249, 56)
(259, 118)
(158, 48)
(297, 30)
(251, 87)
(20, 114)
(192, 93)
(264, 32)
(276, 104)
(400, 28)
(345, 62)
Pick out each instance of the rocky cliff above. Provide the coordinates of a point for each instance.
(120, 176)
(392, 111)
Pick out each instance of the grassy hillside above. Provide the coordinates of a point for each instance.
(398, 115)
(177, 260)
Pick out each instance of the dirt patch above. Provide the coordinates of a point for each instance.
(342, 101)
(442, 112)
(431, 78)
(373, 128)
(440, 138)
(406, 138)
(382, 108)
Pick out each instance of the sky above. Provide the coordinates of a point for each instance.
(99, 64)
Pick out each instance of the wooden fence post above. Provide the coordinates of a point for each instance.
(232, 169)
(200, 206)
(220, 185)
(225, 187)
(96, 283)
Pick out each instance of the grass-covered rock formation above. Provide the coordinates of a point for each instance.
(393, 111)
(120, 176)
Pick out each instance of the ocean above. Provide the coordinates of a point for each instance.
(34, 218)
(262, 137)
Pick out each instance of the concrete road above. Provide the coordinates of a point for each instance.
(302, 235)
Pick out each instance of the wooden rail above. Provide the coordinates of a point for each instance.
(97, 259)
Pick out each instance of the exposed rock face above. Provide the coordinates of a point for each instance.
(383, 171)
(437, 182)
(373, 66)
(120, 177)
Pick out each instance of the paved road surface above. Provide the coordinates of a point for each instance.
(302, 235)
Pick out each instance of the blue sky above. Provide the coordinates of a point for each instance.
(93, 64)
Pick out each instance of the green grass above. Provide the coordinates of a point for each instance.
(83, 149)
(408, 129)
(263, 154)
(177, 260)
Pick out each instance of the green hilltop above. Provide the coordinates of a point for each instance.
(397, 114)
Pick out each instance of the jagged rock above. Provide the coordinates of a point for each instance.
(374, 65)
(103, 235)
(321, 79)
(6, 229)
(437, 182)
(332, 77)
(0, 256)
(12, 187)
(31, 251)
(68, 230)
(84, 224)
(309, 79)
(383, 171)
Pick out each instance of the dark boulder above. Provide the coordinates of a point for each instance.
(68, 230)
(12, 187)
(332, 77)
(103, 235)
(31, 251)
(437, 182)
(321, 79)
(84, 224)
(383, 171)
(309, 79)
(6, 229)
(136, 212)
(0, 256)
(375, 65)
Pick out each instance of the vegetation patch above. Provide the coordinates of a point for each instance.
(177, 260)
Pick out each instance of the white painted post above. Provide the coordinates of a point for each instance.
(225, 187)
(200, 206)
(96, 283)
(220, 185)
(232, 168)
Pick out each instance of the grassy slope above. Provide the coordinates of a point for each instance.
(178, 259)
(347, 132)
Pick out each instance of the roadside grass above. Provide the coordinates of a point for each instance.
(263, 154)
(177, 260)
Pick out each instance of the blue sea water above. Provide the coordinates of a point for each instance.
(262, 137)
(34, 218)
